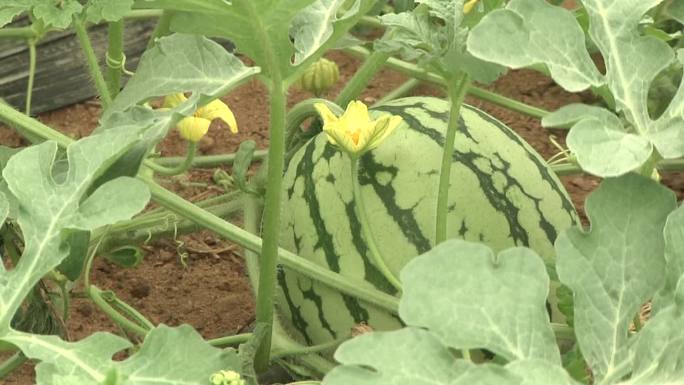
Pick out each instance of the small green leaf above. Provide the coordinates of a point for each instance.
(56, 14)
(479, 300)
(4, 208)
(615, 267)
(125, 256)
(9, 9)
(77, 241)
(183, 63)
(107, 10)
(532, 32)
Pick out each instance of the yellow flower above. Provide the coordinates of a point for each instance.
(194, 127)
(469, 5)
(354, 132)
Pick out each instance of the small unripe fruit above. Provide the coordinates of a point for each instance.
(320, 77)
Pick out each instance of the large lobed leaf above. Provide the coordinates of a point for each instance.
(616, 267)
(530, 32)
(459, 295)
(168, 356)
(438, 45)
(49, 205)
(286, 34)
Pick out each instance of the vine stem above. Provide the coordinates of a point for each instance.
(373, 63)
(115, 57)
(417, 72)
(180, 168)
(457, 92)
(31, 75)
(11, 364)
(91, 59)
(398, 92)
(362, 214)
(271, 229)
(207, 161)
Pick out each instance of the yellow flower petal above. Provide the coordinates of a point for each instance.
(325, 113)
(341, 139)
(469, 5)
(356, 113)
(217, 109)
(171, 101)
(193, 128)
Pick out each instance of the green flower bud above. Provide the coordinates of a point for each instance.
(320, 77)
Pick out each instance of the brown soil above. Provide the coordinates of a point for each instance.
(211, 292)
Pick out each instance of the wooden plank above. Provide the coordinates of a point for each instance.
(62, 76)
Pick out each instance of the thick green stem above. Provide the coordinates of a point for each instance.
(207, 161)
(399, 92)
(91, 59)
(11, 364)
(230, 340)
(18, 33)
(271, 229)
(180, 168)
(31, 75)
(162, 28)
(96, 295)
(457, 91)
(361, 78)
(355, 288)
(360, 209)
(115, 57)
(419, 73)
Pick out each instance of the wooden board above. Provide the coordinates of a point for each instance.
(62, 76)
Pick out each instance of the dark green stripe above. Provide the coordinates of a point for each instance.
(298, 320)
(498, 200)
(324, 240)
(311, 295)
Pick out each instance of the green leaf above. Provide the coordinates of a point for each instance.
(9, 9)
(615, 267)
(168, 356)
(530, 32)
(56, 14)
(415, 35)
(676, 10)
(125, 256)
(535, 372)
(47, 208)
(632, 61)
(77, 242)
(674, 258)
(183, 63)
(4, 208)
(481, 301)
(408, 356)
(313, 26)
(107, 10)
(263, 29)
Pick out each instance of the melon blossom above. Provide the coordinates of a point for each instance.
(355, 132)
(193, 128)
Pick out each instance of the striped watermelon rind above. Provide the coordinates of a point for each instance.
(502, 193)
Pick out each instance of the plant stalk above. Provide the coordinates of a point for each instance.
(399, 92)
(115, 57)
(93, 65)
(162, 28)
(207, 161)
(362, 214)
(11, 364)
(271, 220)
(430, 77)
(374, 63)
(457, 91)
(180, 168)
(31, 76)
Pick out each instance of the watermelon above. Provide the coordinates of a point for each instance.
(502, 194)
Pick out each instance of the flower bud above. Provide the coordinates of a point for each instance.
(320, 77)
